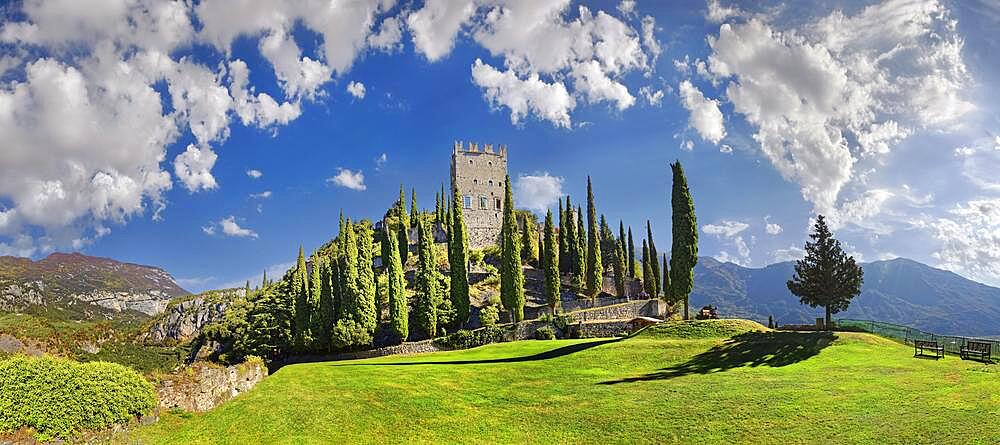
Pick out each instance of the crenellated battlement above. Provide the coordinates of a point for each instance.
(478, 173)
(474, 148)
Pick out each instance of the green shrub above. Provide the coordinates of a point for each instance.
(464, 339)
(58, 397)
(489, 315)
(545, 333)
(348, 333)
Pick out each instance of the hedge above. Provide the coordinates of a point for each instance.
(58, 397)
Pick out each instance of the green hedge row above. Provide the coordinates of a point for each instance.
(471, 339)
(58, 397)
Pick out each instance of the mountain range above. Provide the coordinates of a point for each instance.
(77, 286)
(898, 291)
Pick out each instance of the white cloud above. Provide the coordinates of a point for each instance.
(254, 173)
(653, 98)
(840, 86)
(969, 238)
(537, 192)
(194, 168)
(649, 39)
(770, 227)
(380, 161)
(389, 36)
(209, 229)
(549, 101)
(261, 109)
(349, 179)
(627, 8)
(725, 229)
(231, 228)
(717, 13)
(435, 26)
(705, 116)
(792, 253)
(725, 148)
(356, 89)
(262, 195)
(590, 80)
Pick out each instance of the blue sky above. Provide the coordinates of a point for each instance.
(131, 126)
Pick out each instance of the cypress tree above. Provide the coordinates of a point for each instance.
(300, 293)
(684, 251)
(327, 309)
(595, 269)
(351, 296)
(367, 309)
(570, 239)
(511, 275)
(398, 310)
(648, 276)
(550, 264)
(458, 259)
(607, 245)
(622, 241)
(442, 218)
(414, 213)
(666, 279)
(631, 254)
(581, 251)
(246, 291)
(401, 212)
(528, 243)
(264, 281)
(564, 258)
(619, 266)
(654, 258)
(427, 298)
(315, 292)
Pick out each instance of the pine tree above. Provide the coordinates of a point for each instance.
(511, 275)
(264, 281)
(367, 309)
(550, 264)
(631, 254)
(619, 267)
(648, 276)
(300, 293)
(684, 250)
(414, 213)
(246, 291)
(595, 268)
(327, 309)
(401, 213)
(427, 285)
(580, 263)
(826, 276)
(398, 309)
(607, 245)
(528, 244)
(442, 217)
(666, 279)
(622, 241)
(655, 258)
(458, 259)
(351, 296)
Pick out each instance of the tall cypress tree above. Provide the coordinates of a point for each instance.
(264, 281)
(684, 250)
(367, 309)
(607, 245)
(511, 275)
(398, 309)
(458, 259)
(414, 213)
(654, 258)
(631, 254)
(571, 244)
(427, 284)
(622, 241)
(326, 313)
(550, 264)
(528, 244)
(619, 267)
(581, 250)
(300, 291)
(595, 269)
(648, 276)
(350, 299)
(564, 258)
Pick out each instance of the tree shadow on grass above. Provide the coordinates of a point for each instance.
(753, 349)
(545, 355)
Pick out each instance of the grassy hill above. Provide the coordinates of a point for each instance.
(672, 383)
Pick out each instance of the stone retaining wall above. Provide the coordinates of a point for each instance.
(201, 387)
(630, 310)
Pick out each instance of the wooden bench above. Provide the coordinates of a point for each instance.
(979, 349)
(919, 346)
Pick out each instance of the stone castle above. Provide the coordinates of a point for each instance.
(478, 174)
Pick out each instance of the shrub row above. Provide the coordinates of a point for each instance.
(58, 397)
(464, 339)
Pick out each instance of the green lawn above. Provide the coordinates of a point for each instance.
(672, 384)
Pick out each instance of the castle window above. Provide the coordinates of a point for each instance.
(491, 183)
(490, 163)
(482, 202)
(467, 200)
(475, 181)
(497, 203)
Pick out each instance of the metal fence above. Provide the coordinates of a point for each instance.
(952, 343)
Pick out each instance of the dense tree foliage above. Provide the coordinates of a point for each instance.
(458, 260)
(565, 260)
(300, 292)
(366, 310)
(631, 254)
(648, 276)
(398, 308)
(826, 276)
(511, 274)
(580, 256)
(654, 258)
(425, 310)
(595, 267)
(619, 270)
(684, 250)
(550, 264)
(666, 279)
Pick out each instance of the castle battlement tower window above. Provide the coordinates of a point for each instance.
(478, 174)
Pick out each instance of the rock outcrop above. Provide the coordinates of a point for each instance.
(184, 320)
(203, 386)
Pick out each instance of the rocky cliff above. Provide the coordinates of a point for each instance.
(184, 319)
(84, 286)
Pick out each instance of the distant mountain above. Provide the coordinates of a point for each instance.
(897, 291)
(77, 286)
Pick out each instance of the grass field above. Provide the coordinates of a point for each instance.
(674, 383)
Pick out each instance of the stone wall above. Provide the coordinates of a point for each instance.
(203, 386)
(479, 175)
(613, 328)
(624, 311)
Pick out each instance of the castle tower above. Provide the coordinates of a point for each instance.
(478, 173)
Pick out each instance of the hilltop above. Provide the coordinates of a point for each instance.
(899, 291)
